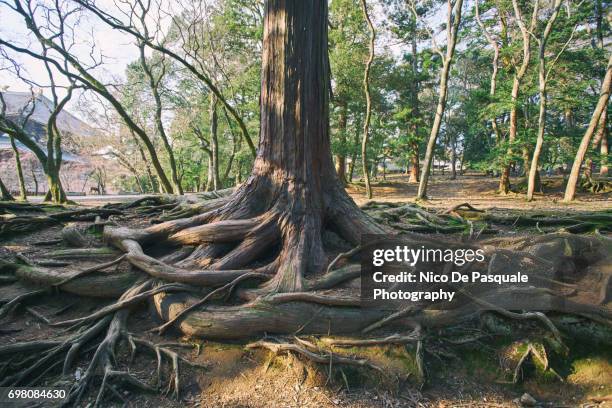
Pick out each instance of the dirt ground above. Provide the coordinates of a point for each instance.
(470, 376)
(480, 191)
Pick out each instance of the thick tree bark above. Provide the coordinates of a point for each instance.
(533, 177)
(23, 195)
(368, 113)
(452, 28)
(604, 96)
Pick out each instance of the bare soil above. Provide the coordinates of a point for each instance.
(481, 192)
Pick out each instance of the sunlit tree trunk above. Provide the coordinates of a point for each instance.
(452, 27)
(601, 141)
(368, 113)
(340, 157)
(604, 96)
(533, 181)
(214, 142)
(504, 181)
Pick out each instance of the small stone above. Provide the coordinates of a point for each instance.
(527, 400)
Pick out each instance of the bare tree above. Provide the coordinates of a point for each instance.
(155, 79)
(191, 45)
(49, 28)
(23, 118)
(453, 19)
(51, 159)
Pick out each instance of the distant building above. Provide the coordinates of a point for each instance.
(75, 168)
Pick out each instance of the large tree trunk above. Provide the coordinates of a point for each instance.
(293, 191)
(23, 195)
(604, 96)
(452, 26)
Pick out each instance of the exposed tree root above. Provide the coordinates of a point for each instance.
(327, 357)
(234, 267)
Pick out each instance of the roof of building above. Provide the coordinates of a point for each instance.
(19, 102)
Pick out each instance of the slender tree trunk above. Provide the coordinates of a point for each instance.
(570, 190)
(448, 59)
(414, 163)
(340, 157)
(495, 64)
(351, 169)
(504, 181)
(414, 87)
(23, 195)
(210, 178)
(453, 144)
(154, 85)
(214, 142)
(35, 179)
(603, 170)
(143, 156)
(534, 176)
(5, 194)
(600, 141)
(368, 114)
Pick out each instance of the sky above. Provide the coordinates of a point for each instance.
(118, 49)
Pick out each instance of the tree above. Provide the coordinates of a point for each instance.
(5, 194)
(368, 113)
(519, 74)
(51, 159)
(453, 19)
(494, 63)
(24, 116)
(602, 103)
(534, 177)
